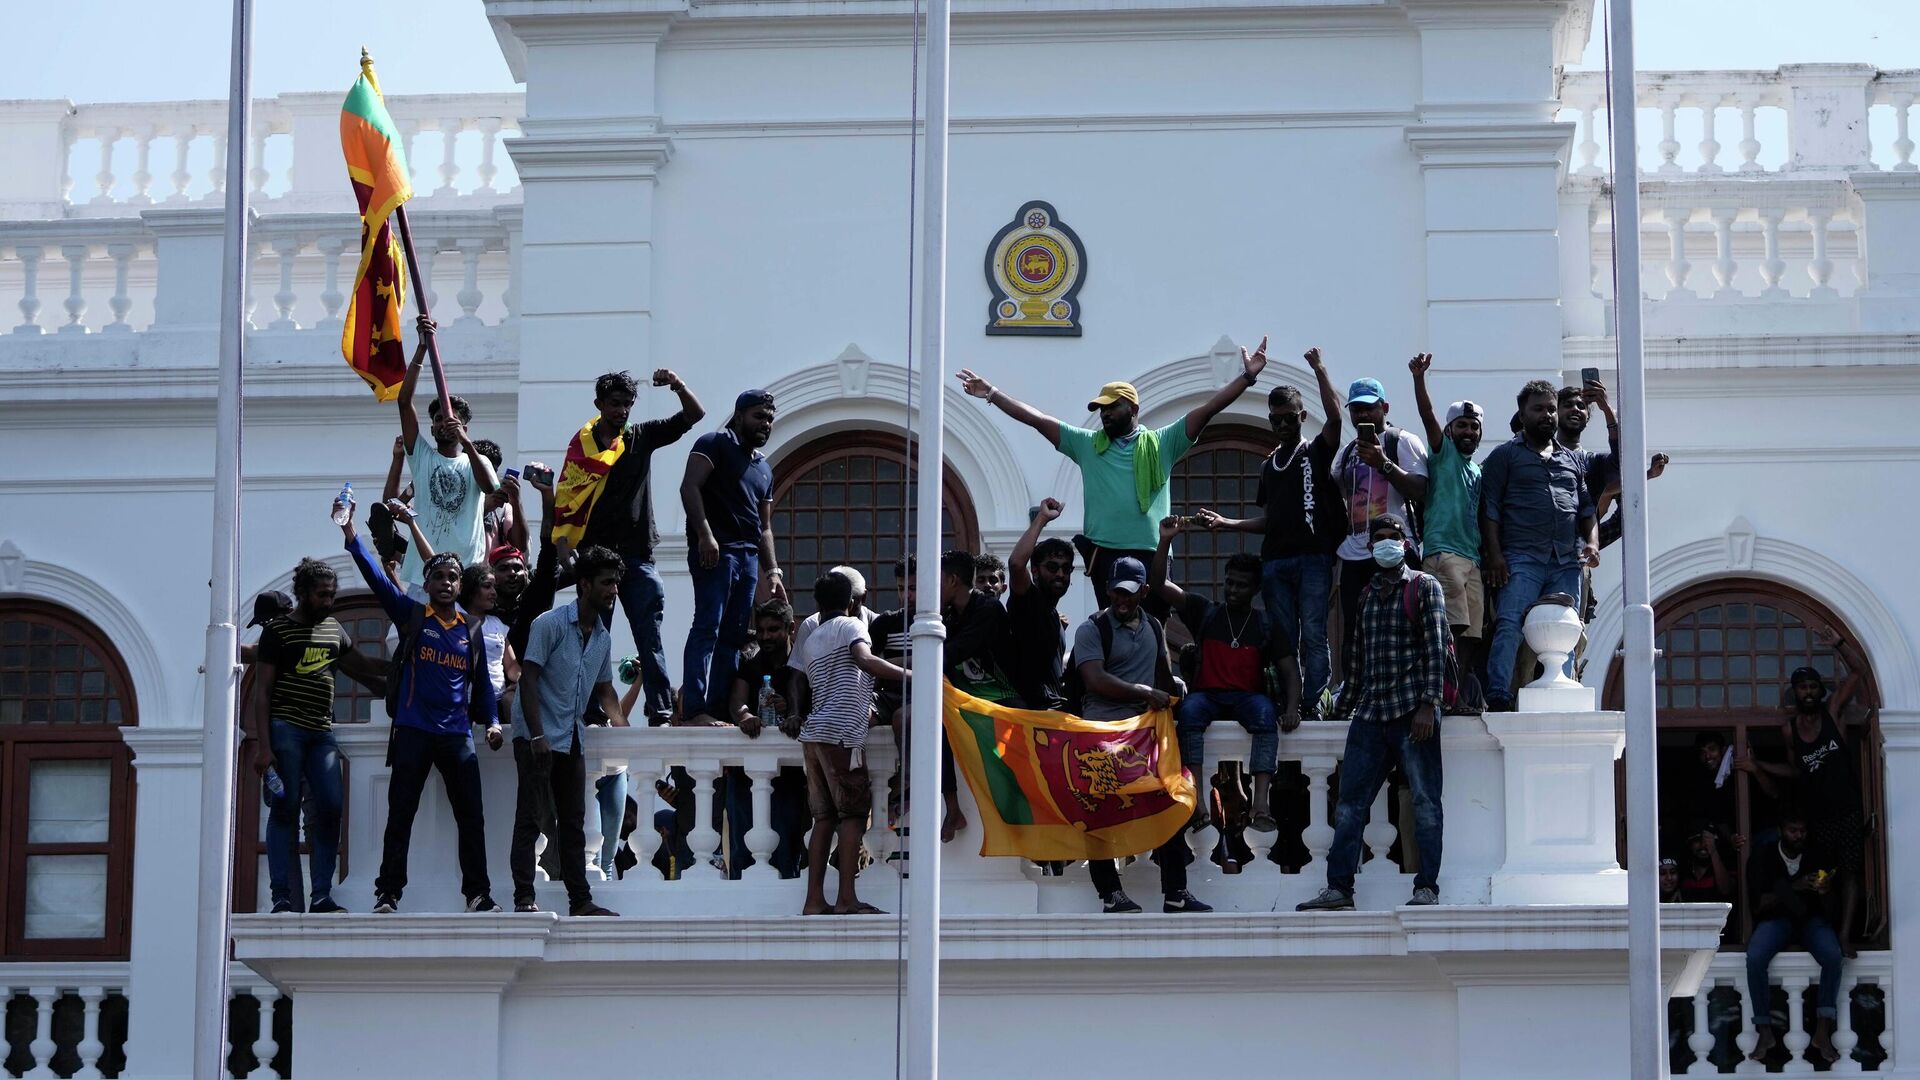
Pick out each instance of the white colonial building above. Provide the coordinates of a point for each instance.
(722, 187)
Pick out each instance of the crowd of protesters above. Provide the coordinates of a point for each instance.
(1389, 590)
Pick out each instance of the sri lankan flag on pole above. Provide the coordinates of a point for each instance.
(376, 163)
(1053, 786)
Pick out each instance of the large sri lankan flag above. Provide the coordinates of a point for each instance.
(370, 339)
(1051, 785)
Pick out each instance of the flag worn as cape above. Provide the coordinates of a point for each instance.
(376, 163)
(1051, 785)
(580, 482)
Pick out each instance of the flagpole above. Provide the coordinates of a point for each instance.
(420, 294)
(922, 1030)
(1647, 1009)
(221, 666)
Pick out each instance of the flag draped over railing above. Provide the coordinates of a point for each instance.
(1051, 785)
(376, 162)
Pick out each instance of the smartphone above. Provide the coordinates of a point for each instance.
(1589, 374)
(537, 474)
(1366, 432)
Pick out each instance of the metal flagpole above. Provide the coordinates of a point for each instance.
(222, 660)
(1647, 1022)
(929, 634)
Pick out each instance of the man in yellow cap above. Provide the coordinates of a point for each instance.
(1124, 468)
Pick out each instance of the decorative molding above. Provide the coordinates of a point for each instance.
(815, 401)
(1476, 146)
(155, 748)
(91, 601)
(853, 370)
(12, 566)
(1857, 604)
(1740, 545)
(774, 127)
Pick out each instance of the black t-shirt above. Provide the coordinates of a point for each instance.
(762, 664)
(1827, 783)
(1233, 650)
(623, 517)
(1037, 666)
(891, 643)
(1305, 515)
(980, 648)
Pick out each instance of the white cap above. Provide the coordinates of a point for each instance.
(859, 581)
(1465, 408)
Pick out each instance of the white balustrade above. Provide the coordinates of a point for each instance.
(29, 256)
(76, 302)
(1764, 100)
(58, 991)
(1795, 973)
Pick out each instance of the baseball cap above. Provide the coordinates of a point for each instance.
(502, 552)
(269, 605)
(1467, 409)
(1128, 575)
(1366, 392)
(749, 399)
(1112, 392)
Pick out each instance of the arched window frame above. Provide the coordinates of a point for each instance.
(1200, 557)
(1740, 723)
(958, 514)
(23, 745)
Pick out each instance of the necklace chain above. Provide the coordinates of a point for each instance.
(1244, 623)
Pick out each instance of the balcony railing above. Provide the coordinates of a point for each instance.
(1720, 1034)
(1797, 118)
(79, 1026)
(112, 159)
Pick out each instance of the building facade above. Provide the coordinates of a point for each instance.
(725, 189)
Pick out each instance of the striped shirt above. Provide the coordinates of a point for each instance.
(303, 659)
(842, 692)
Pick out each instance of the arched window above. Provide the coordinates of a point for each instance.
(366, 625)
(848, 500)
(1220, 473)
(67, 785)
(1726, 650)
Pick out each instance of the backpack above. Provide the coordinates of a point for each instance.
(1076, 688)
(1450, 675)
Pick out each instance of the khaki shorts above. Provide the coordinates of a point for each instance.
(835, 790)
(1460, 580)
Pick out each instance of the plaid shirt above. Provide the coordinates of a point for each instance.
(1402, 662)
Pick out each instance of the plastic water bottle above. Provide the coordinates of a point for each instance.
(344, 512)
(768, 715)
(275, 786)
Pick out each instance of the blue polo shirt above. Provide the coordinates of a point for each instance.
(741, 480)
(1538, 501)
(569, 670)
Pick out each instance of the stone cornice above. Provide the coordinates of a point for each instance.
(612, 148)
(155, 748)
(1518, 142)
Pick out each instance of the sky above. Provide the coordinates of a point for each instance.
(121, 50)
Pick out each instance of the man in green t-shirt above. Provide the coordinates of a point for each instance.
(1124, 468)
(1451, 536)
(289, 722)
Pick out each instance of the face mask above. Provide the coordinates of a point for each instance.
(1389, 553)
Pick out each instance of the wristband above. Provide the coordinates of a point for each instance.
(538, 738)
(776, 572)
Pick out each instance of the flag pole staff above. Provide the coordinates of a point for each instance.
(929, 633)
(419, 290)
(1646, 1009)
(221, 663)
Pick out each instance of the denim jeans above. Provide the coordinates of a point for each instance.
(308, 761)
(1372, 749)
(1173, 857)
(1769, 938)
(645, 601)
(722, 617)
(416, 754)
(1530, 577)
(610, 795)
(1254, 711)
(1296, 590)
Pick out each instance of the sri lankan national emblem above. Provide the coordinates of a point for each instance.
(1035, 267)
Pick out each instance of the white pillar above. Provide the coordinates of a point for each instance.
(165, 901)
